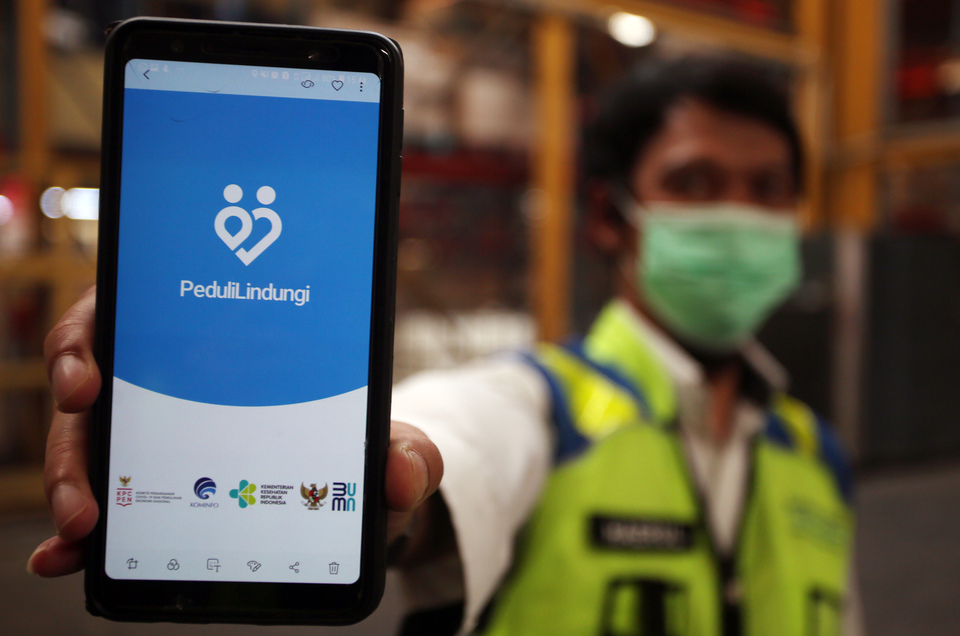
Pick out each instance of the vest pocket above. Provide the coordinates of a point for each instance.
(824, 612)
(644, 607)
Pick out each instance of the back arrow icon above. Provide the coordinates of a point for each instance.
(145, 73)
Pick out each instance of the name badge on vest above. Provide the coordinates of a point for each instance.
(640, 535)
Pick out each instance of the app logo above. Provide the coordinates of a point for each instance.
(204, 488)
(344, 496)
(233, 193)
(313, 496)
(244, 494)
(124, 494)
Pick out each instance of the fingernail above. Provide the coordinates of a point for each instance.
(40, 548)
(69, 372)
(67, 500)
(419, 471)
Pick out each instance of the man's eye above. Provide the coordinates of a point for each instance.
(773, 189)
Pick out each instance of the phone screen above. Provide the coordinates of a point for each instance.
(243, 318)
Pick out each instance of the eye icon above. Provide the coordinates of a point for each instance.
(306, 83)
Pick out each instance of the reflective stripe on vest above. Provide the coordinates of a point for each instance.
(618, 543)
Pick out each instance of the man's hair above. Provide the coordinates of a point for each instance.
(631, 113)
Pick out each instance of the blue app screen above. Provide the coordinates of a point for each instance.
(247, 210)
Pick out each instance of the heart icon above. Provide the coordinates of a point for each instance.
(233, 194)
(233, 241)
(275, 227)
(337, 85)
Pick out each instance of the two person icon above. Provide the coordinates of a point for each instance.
(233, 194)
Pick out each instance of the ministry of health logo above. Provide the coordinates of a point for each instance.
(244, 494)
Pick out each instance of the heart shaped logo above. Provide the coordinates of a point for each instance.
(337, 85)
(233, 193)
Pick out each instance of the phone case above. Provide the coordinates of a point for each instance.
(262, 603)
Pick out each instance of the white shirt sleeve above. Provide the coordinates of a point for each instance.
(853, 624)
(490, 420)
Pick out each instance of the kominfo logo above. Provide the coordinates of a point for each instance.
(244, 494)
(233, 194)
(204, 488)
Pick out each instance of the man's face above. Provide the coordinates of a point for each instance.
(705, 155)
(702, 155)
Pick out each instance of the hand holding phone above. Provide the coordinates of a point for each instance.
(244, 323)
(75, 384)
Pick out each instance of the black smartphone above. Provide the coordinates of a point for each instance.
(244, 325)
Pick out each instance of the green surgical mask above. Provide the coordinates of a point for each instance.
(712, 273)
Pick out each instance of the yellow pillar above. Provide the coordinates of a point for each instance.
(554, 46)
(810, 20)
(857, 67)
(32, 68)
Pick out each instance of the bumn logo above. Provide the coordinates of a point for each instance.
(233, 193)
(244, 494)
(344, 496)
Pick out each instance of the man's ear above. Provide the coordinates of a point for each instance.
(604, 225)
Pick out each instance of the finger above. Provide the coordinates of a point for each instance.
(414, 468)
(56, 557)
(68, 350)
(67, 486)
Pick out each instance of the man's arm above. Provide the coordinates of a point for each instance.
(490, 420)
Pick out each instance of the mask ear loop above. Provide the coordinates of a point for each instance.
(626, 204)
(632, 212)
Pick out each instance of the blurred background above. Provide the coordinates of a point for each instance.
(489, 253)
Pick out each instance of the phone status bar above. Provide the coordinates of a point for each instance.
(233, 79)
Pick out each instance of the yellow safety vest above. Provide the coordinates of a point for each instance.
(618, 543)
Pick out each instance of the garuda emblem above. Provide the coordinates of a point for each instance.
(313, 497)
(124, 480)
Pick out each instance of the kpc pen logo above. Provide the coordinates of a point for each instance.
(233, 193)
(244, 494)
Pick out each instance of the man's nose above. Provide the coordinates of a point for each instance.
(739, 190)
